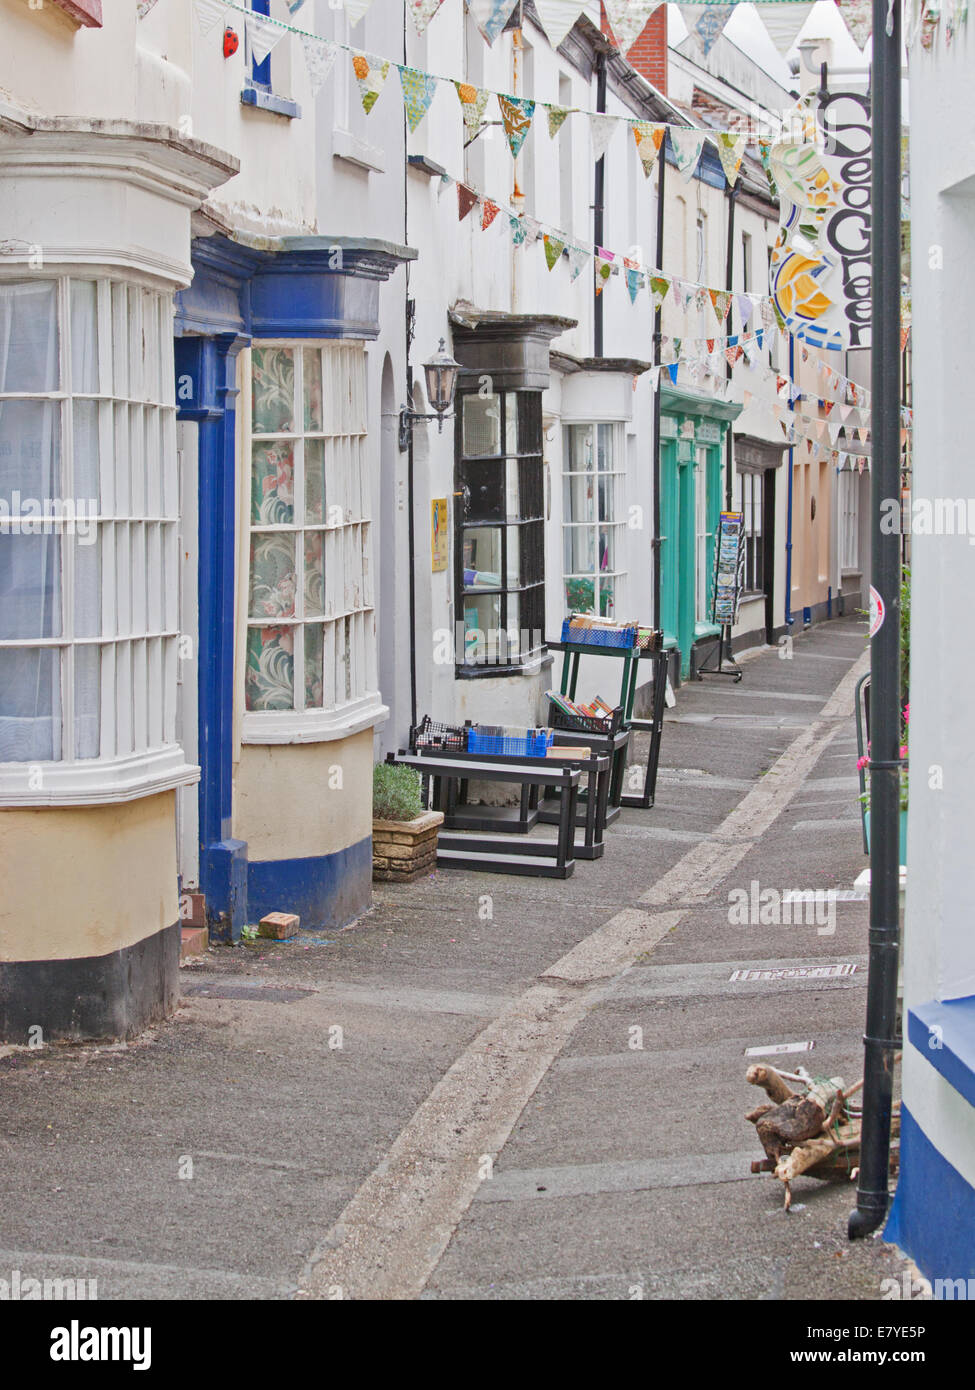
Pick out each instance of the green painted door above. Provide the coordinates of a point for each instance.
(690, 503)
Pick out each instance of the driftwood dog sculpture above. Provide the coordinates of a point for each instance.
(813, 1130)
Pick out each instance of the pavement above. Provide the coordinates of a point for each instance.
(494, 1087)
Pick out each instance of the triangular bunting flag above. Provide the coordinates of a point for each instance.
(356, 9)
(710, 343)
(746, 307)
(422, 11)
(602, 128)
(721, 303)
(733, 354)
(649, 139)
(701, 296)
(489, 211)
(466, 199)
(553, 250)
(603, 267)
(578, 260)
(731, 151)
(209, 13)
(688, 145)
(263, 35)
(556, 119)
(516, 114)
(419, 89)
(532, 229)
(858, 15)
(517, 225)
(783, 22)
(490, 16)
(320, 58)
(370, 73)
(473, 100)
(144, 7)
(672, 372)
(628, 19)
(659, 286)
(706, 22)
(557, 17)
(634, 279)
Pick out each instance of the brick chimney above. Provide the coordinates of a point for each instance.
(649, 54)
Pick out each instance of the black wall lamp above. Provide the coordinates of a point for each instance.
(441, 378)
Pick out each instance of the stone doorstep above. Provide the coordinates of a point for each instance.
(193, 942)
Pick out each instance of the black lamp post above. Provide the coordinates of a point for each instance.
(441, 379)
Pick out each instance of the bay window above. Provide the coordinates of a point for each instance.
(593, 532)
(310, 648)
(500, 567)
(89, 548)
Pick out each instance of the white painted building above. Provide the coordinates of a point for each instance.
(933, 1216)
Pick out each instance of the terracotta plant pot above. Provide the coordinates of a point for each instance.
(403, 850)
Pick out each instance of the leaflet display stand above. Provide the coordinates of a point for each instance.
(729, 574)
(631, 657)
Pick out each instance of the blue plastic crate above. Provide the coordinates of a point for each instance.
(534, 743)
(599, 636)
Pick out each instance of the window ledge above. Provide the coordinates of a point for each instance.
(944, 1033)
(347, 146)
(267, 101)
(95, 781)
(314, 726)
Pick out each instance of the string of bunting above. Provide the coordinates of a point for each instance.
(517, 113)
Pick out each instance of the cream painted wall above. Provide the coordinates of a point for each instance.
(87, 880)
(284, 807)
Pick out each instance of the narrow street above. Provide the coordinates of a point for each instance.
(495, 1087)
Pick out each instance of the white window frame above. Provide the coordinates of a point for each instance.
(138, 550)
(338, 718)
(617, 523)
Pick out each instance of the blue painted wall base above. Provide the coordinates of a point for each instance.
(933, 1214)
(327, 891)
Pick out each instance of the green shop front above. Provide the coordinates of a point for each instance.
(693, 430)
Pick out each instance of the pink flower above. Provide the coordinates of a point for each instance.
(903, 750)
(907, 714)
(862, 762)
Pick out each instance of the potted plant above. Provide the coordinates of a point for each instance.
(404, 836)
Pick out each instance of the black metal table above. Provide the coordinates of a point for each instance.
(502, 854)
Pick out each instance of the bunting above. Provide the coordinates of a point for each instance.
(370, 73)
(490, 16)
(419, 89)
(320, 58)
(355, 9)
(422, 11)
(603, 267)
(687, 145)
(706, 23)
(556, 119)
(578, 260)
(209, 13)
(553, 250)
(602, 128)
(516, 114)
(649, 139)
(731, 151)
(466, 199)
(263, 36)
(473, 101)
(489, 211)
(628, 19)
(557, 17)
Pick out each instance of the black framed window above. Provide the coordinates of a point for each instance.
(499, 518)
(753, 507)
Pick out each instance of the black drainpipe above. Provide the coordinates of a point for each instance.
(880, 1039)
(598, 203)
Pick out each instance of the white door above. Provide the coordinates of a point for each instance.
(187, 695)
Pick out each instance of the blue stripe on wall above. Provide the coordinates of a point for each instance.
(944, 1034)
(326, 890)
(933, 1215)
